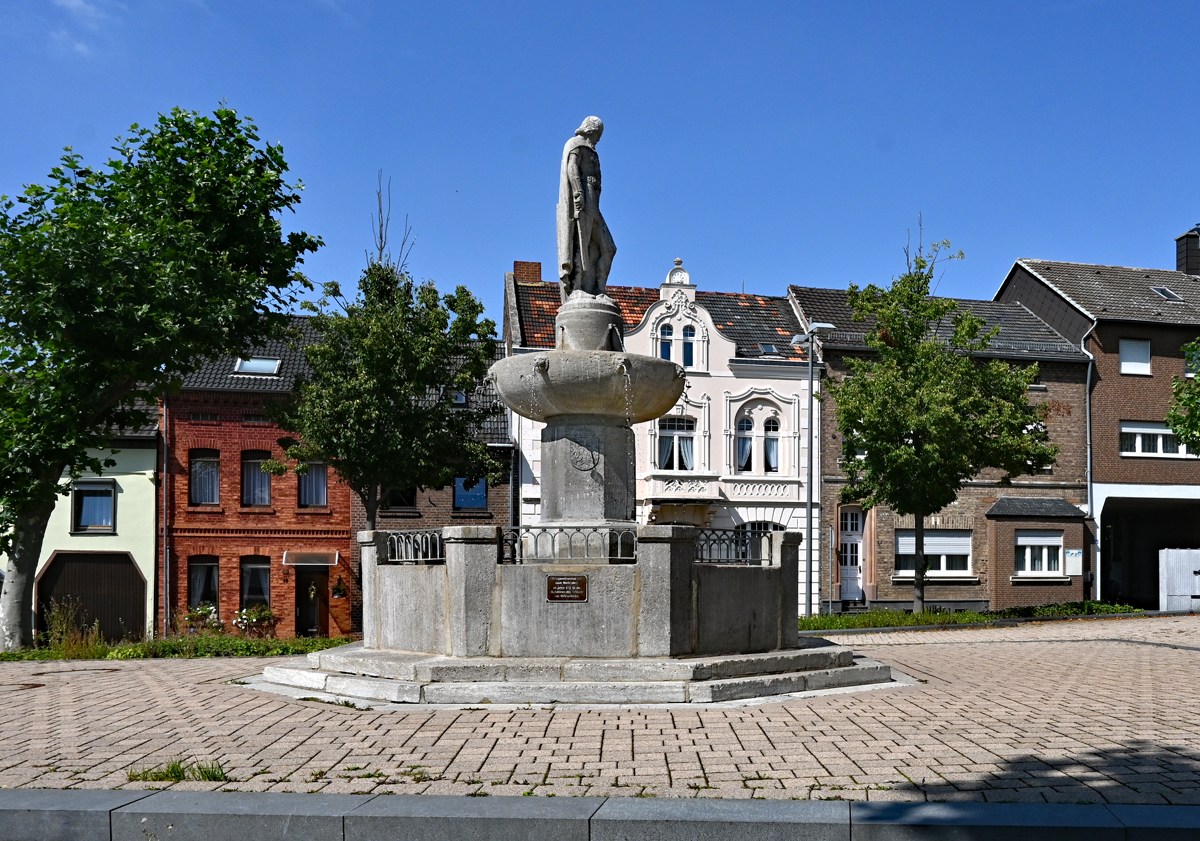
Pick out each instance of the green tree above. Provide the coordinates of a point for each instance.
(379, 406)
(923, 413)
(117, 281)
(1183, 416)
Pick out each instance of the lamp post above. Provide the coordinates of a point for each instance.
(814, 331)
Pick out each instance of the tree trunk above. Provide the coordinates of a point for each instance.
(16, 600)
(370, 501)
(919, 563)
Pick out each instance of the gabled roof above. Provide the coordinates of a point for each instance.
(746, 320)
(1120, 293)
(1022, 334)
(1034, 507)
(218, 374)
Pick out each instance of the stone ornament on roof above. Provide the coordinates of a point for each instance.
(679, 276)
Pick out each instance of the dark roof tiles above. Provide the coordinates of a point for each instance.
(1121, 293)
(1034, 507)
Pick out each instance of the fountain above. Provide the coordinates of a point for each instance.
(586, 606)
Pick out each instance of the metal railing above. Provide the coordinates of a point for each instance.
(420, 546)
(733, 546)
(557, 544)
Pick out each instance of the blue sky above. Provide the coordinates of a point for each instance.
(763, 143)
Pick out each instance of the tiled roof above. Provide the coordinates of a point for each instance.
(1121, 293)
(1034, 507)
(747, 320)
(218, 375)
(1022, 334)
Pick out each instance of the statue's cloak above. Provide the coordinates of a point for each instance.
(566, 221)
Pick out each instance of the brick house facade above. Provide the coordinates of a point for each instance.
(1144, 485)
(988, 526)
(283, 541)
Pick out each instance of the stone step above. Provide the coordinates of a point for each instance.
(861, 672)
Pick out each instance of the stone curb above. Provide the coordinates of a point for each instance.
(996, 623)
(96, 815)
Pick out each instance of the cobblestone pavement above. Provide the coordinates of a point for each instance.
(1088, 711)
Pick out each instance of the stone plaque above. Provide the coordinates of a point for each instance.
(566, 588)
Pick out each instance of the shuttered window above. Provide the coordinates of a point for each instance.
(947, 552)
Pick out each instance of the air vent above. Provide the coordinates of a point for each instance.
(1166, 293)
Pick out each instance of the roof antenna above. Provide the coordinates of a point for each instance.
(743, 286)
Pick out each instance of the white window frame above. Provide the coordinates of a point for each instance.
(938, 543)
(675, 435)
(1132, 352)
(1031, 550)
(1147, 435)
(245, 366)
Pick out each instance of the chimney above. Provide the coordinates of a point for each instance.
(1187, 252)
(527, 274)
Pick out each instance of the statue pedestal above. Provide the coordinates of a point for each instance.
(588, 470)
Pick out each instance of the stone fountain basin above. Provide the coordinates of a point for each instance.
(588, 382)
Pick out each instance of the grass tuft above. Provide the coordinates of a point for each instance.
(176, 771)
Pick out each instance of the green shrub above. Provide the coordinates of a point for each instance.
(900, 619)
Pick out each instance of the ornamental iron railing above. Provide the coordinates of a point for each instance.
(567, 544)
(733, 546)
(420, 546)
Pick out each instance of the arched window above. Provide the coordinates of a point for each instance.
(771, 446)
(676, 444)
(689, 356)
(745, 445)
(664, 346)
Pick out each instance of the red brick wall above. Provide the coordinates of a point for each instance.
(1006, 592)
(1120, 397)
(231, 531)
(527, 272)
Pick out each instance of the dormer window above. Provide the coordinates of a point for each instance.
(257, 365)
(1165, 293)
(665, 333)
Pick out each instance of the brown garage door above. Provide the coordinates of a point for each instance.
(107, 588)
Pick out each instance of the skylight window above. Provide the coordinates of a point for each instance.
(257, 365)
(1166, 293)
(767, 348)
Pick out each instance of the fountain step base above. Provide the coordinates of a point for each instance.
(413, 678)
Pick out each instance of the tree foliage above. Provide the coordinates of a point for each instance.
(379, 406)
(1183, 417)
(923, 413)
(117, 280)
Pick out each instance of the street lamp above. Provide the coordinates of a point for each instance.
(814, 331)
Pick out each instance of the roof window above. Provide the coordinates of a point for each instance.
(767, 348)
(1166, 293)
(257, 365)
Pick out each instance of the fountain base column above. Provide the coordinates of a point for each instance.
(588, 471)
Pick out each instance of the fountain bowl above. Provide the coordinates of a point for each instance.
(602, 383)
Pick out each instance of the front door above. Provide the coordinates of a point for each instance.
(312, 601)
(850, 561)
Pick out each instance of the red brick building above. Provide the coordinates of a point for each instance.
(235, 536)
(994, 547)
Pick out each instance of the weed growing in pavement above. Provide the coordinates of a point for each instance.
(176, 771)
(897, 618)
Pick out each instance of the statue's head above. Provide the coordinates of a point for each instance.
(591, 128)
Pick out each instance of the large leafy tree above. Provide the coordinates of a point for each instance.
(922, 413)
(392, 399)
(115, 281)
(1183, 416)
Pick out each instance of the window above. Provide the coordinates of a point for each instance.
(1165, 293)
(398, 498)
(946, 552)
(202, 580)
(676, 444)
(852, 521)
(1151, 439)
(255, 418)
(256, 482)
(664, 347)
(768, 349)
(758, 543)
(258, 365)
(205, 417)
(457, 398)
(204, 474)
(1191, 364)
(474, 497)
(771, 446)
(256, 581)
(1135, 356)
(93, 506)
(1038, 553)
(689, 355)
(313, 485)
(745, 445)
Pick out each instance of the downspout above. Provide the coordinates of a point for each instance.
(1090, 502)
(166, 473)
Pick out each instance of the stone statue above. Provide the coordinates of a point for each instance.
(585, 246)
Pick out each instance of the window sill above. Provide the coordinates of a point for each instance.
(402, 513)
(1136, 374)
(256, 509)
(1176, 456)
(1036, 387)
(94, 533)
(1040, 579)
(473, 513)
(937, 579)
(314, 511)
(205, 509)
